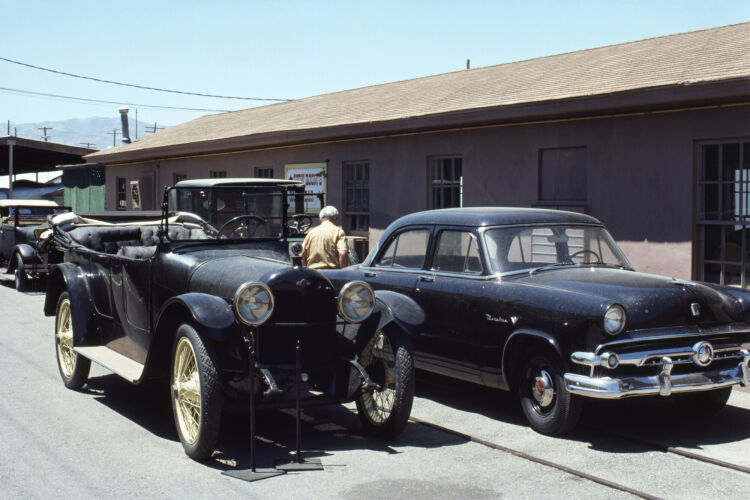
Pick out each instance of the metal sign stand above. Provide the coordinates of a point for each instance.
(299, 464)
(252, 474)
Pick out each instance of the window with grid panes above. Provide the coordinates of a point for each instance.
(357, 196)
(446, 182)
(264, 172)
(724, 212)
(218, 174)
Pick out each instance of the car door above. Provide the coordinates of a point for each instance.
(130, 296)
(400, 262)
(449, 292)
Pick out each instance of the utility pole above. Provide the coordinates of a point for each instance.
(45, 136)
(88, 144)
(154, 128)
(114, 136)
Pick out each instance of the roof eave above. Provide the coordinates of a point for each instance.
(638, 100)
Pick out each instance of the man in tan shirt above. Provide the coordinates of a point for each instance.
(325, 246)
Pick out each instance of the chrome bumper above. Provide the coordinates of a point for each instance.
(663, 384)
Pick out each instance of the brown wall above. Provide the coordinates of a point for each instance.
(640, 173)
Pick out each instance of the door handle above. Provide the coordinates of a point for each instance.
(369, 274)
(427, 279)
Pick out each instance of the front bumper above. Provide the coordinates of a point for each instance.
(664, 383)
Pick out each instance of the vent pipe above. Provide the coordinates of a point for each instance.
(125, 128)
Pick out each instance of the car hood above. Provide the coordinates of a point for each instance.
(650, 301)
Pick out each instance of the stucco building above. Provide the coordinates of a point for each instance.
(652, 137)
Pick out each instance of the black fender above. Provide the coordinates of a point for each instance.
(391, 309)
(400, 309)
(27, 253)
(211, 314)
(516, 345)
(68, 276)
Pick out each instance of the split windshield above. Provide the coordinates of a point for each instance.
(234, 213)
(535, 247)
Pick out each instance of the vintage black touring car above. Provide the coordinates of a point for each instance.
(544, 302)
(212, 284)
(21, 248)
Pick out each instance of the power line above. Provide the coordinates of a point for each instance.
(98, 101)
(138, 86)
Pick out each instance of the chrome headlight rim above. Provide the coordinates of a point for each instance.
(614, 308)
(342, 296)
(235, 303)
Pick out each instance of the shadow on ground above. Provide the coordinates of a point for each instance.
(604, 423)
(325, 429)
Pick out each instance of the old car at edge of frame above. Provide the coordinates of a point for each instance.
(193, 296)
(23, 247)
(544, 303)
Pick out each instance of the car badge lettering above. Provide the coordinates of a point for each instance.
(495, 319)
(695, 308)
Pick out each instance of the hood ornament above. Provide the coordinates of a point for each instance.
(695, 308)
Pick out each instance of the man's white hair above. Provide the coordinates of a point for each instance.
(328, 212)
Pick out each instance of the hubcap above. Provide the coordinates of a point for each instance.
(543, 389)
(380, 362)
(186, 391)
(64, 338)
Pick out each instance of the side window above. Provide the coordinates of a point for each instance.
(407, 250)
(457, 252)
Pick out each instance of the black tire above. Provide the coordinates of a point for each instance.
(198, 429)
(556, 412)
(385, 411)
(23, 283)
(703, 403)
(74, 368)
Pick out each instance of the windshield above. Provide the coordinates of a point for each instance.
(529, 248)
(234, 213)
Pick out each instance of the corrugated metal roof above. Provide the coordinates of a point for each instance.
(711, 55)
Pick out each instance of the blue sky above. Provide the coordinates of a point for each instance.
(293, 49)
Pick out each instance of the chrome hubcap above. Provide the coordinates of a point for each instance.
(543, 389)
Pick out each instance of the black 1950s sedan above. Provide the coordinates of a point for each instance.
(543, 302)
(196, 295)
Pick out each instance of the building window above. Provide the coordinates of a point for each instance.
(218, 174)
(179, 177)
(562, 179)
(122, 193)
(446, 181)
(357, 196)
(724, 213)
(264, 172)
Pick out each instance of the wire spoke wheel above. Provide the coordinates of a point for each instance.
(186, 391)
(74, 369)
(195, 392)
(387, 358)
(380, 363)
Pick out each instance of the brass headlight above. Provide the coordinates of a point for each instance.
(614, 319)
(253, 303)
(356, 301)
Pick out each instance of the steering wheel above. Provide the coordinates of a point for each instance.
(301, 223)
(243, 226)
(586, 251)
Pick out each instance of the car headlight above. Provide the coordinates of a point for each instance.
(614, 319)
(253, 303)
(356, 301)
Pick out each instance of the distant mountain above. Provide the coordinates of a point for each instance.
(79, 131)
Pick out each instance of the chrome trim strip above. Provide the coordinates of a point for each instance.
(663, 384)
(421, 272)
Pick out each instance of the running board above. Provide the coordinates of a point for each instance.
(123, 366)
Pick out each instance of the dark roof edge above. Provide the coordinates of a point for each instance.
(47, 146)
(638, 100)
